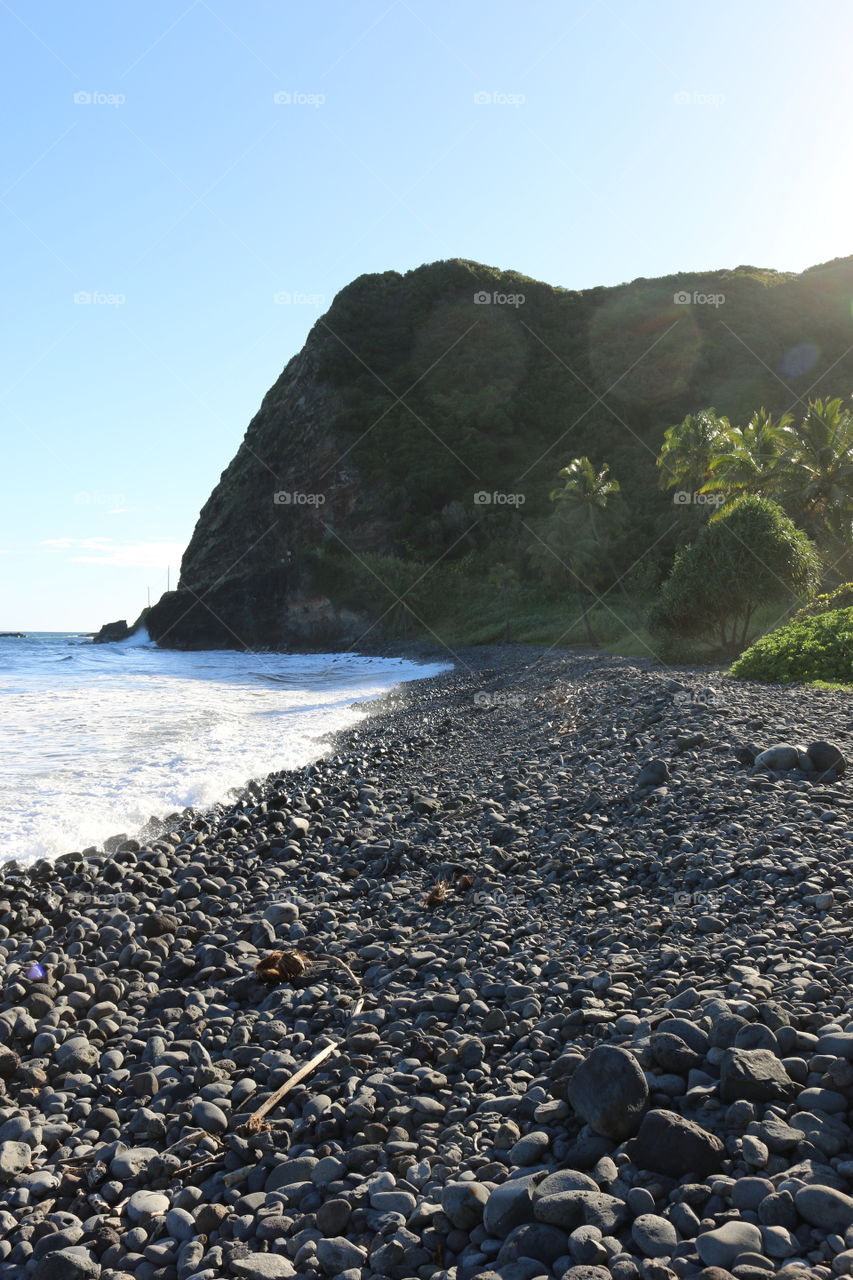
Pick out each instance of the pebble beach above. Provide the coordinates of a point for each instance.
(544, 970)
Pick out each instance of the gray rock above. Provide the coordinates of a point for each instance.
(609, 1091)
(76, 1054)
(571, 1209)
(654, 773)
(825, 1207)
(668, 1143)
(73, 1263)
(263, 1266)
(782, 757)
(534, 1240)
(722, 1246)
(754, 1074)
(508, 1206)
(530, 1149)
(14, 1158)
(564, 1180)
(209, 1117)
(339, 1254)
(654, 1236)
(333, 1216)
(464, 1203)
(129, 1164)
(826, 755)
(143, 1205)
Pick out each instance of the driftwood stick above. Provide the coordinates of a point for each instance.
(253, 1124)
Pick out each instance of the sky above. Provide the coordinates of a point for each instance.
(185, 186)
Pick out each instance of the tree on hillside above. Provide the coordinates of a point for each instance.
(748, 459)
(815, 482)
(688, 449)
(751, 555)
(576, 534)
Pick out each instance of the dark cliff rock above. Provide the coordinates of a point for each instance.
(416, 394)
(112, 631)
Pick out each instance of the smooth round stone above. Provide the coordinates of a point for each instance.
(722, 1246)
(747, 1193)
(464, 1203)
(180, 1224)
(609, 1091)
(209, 1117)
(143, 1205)
(654, 1236)
(530, 1149)
(779, 1242)
(825, 1207)
(640, 1201)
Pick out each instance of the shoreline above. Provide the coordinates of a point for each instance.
(478, 863)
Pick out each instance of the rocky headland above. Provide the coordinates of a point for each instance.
(580, 966)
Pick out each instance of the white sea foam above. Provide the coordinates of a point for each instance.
(94, 739)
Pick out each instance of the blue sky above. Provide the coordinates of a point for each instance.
(185, 186)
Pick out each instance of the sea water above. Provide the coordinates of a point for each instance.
(96, 739)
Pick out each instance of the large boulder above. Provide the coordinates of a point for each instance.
(668, 1143)
(609, 1091)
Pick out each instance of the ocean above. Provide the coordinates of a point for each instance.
(96, 739)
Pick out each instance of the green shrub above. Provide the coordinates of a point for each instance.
(753, 555)
(818, 648)
(840, 598)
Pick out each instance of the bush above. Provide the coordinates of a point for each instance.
(817, 648)
(753, 555)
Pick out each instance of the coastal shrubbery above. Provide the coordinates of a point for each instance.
(818, 648)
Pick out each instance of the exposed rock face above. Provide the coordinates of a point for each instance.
(112, 631)
(411, 407)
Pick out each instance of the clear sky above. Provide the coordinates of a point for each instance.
(209, 173)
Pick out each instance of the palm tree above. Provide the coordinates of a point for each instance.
(747, 460)
(815, 476)
(584, 495)
(688, 449)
